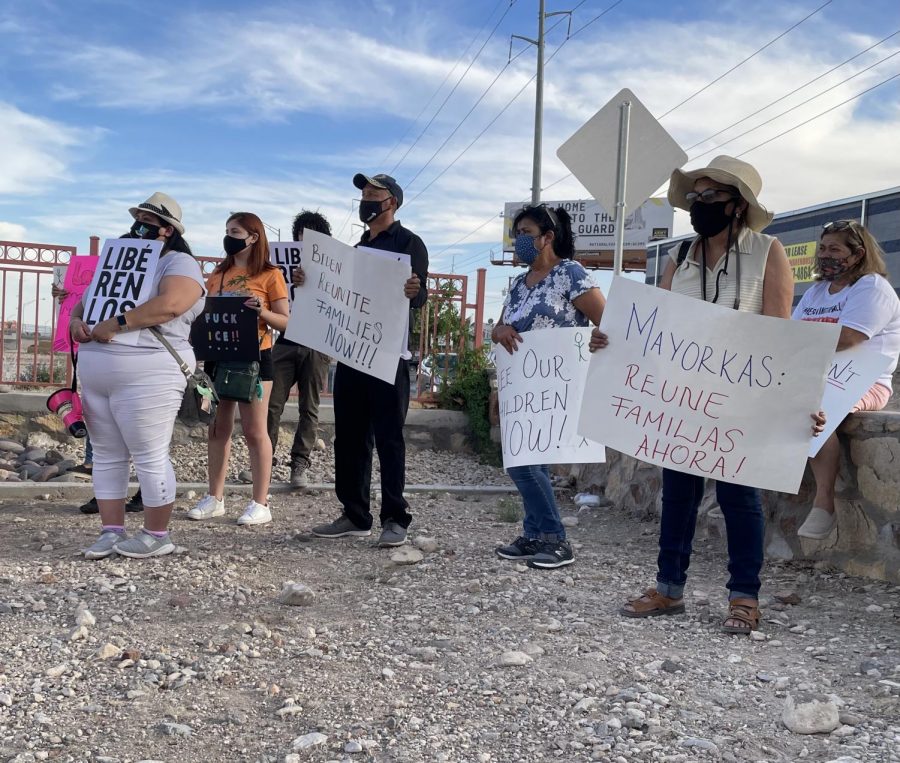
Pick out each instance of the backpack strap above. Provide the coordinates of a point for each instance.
(683, 248)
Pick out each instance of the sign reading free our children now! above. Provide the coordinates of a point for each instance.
(122, 280)
(540, 387)
(706, 390)
(352, 305)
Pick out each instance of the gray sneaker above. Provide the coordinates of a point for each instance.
(392, 534)
(298, 475)
(341, 527)
(104, 545)
(144, 545)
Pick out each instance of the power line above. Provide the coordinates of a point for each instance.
(470, 233)
(443, 82)
(822, 114)
(795, 90)
(793, 108)
(453, 90)
(741, 63)
(504, 109)
(475, 106)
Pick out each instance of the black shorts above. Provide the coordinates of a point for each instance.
(266, 366)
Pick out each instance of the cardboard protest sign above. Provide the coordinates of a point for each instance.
(706, 390)
(122, 281)
(540, 387)
(226, 330)
(352, 306)
(286, 256)
(76, 278)
(851, 374)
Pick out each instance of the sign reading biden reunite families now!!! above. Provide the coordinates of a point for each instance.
(540, 388)
(706, 390)
(122, 281)
(352, 306)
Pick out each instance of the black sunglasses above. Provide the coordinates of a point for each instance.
(709, 196)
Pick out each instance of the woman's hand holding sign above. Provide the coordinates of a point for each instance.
(298, 277)
(507, 336)
(79, 330)
(818, 423)
(599, 340)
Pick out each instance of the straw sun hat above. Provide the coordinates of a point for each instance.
(164, 207)
(728, 171)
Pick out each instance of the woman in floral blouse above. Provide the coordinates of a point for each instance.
(555, 291)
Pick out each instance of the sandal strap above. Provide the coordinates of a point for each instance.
(745, 611)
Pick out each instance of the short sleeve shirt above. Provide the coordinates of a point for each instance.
(549, 303)
(268, 285)
(870, 306)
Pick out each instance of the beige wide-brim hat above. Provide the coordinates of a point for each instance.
(728, 171)
(164, 207)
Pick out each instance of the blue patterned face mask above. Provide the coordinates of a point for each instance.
(526, 251)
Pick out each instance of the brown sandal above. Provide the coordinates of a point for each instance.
(651, 604)
(746, 612)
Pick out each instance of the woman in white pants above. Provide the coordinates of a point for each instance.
(132, 392)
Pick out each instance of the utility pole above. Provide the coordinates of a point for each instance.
(539, 95)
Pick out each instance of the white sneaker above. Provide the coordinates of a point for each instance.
(255, 514)
(209, 507)
(818, 525)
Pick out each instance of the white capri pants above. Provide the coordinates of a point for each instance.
(130, 404)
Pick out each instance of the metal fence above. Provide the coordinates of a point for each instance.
(29, 319)
(28, 313)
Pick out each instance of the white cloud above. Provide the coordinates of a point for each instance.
(35, 151)
(12, 232)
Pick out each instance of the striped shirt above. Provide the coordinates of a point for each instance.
(751, 247)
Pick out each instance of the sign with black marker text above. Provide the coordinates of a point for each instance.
(540, 387)
(352, 306)
(226, 330)
(122, 281)
(706, 390)
(286, 256)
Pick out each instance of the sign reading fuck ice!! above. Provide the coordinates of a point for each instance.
(703, 389)
(226, 330)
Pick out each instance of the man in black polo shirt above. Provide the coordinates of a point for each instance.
(370, 411)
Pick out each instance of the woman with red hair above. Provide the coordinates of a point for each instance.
(246, 270)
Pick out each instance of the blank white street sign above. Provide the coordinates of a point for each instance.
(591, 154)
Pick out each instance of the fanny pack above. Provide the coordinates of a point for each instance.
(199, 384)
(238, 380)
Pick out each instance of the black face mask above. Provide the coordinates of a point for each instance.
(369, 210)
(145, 230)
(233, 245)
(710, 219)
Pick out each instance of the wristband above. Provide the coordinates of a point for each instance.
(123, 324)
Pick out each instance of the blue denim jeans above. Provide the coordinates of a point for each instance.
(744, 525)
(541, 514)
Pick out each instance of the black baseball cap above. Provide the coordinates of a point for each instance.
(380, 181)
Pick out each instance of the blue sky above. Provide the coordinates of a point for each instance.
(273, 106)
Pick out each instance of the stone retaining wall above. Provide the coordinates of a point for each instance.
(867, 539)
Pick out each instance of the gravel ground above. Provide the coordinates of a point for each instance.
(459, 657)
(423, 467)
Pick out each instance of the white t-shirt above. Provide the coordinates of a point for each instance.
(870, 306)
(177, 330)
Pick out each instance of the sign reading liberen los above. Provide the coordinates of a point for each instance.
(226, 330)
(703, 389)
(851, 374)
(352, 305)
(540, 386)
(287, 256)
(122, 281)
(594, 228)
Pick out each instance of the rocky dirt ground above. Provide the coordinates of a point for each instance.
(458, 657)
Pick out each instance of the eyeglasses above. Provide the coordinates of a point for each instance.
(709, 196)
(839, 225)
